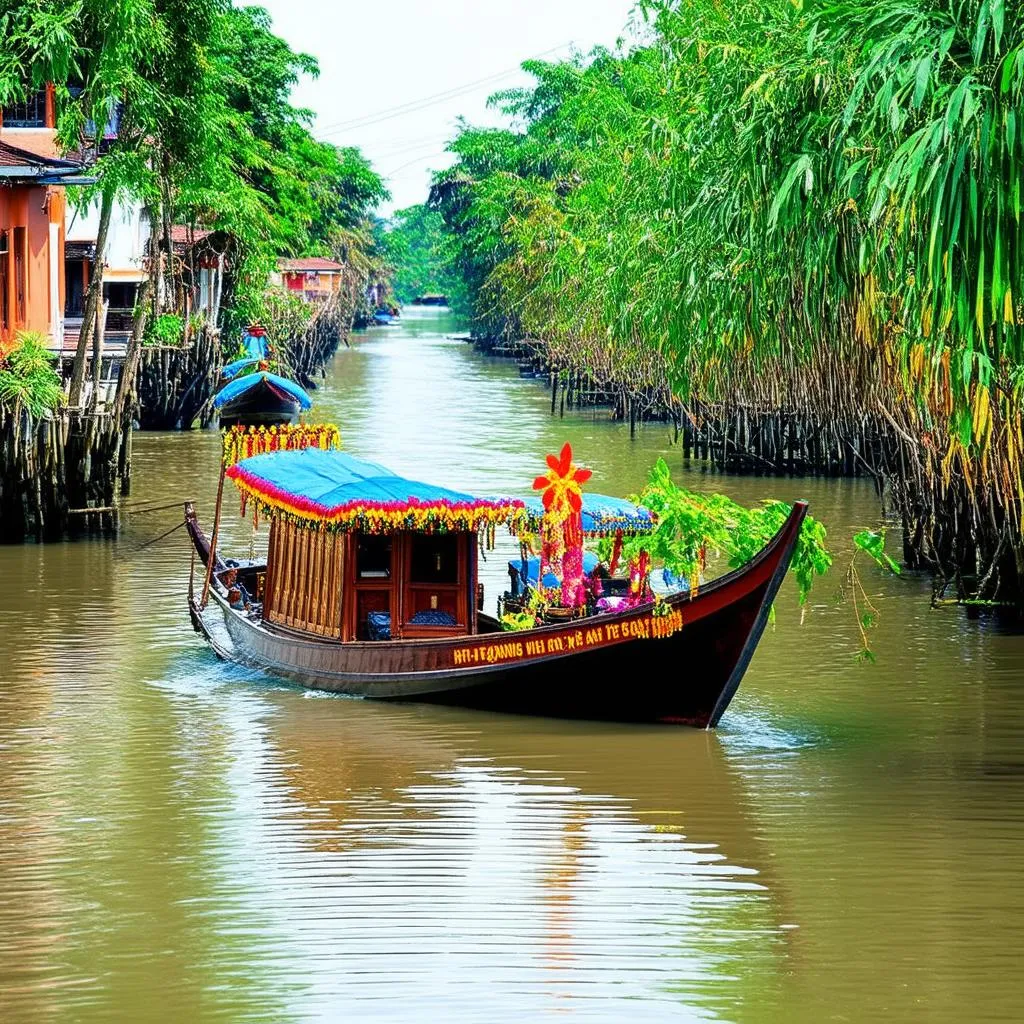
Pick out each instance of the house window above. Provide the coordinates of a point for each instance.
(5, 255)
(31, 113)
(20, 283)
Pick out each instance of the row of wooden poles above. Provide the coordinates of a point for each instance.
(740, 438)
(64, 473)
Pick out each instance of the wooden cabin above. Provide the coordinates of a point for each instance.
(360, 586)
(359, 553)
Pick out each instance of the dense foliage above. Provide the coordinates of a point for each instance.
(695, 529)
(417, 246)
(27, 376)
(185, 107)
(800, 205)
(693, 526)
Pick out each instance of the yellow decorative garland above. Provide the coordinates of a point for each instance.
(242, 443)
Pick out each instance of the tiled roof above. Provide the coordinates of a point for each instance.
(182, 234)
(12, 156)
(310, 263)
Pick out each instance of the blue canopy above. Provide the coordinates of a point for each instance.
(602, 515)
(234, 368)
(240, 386)
(336, 488)
(531, 567)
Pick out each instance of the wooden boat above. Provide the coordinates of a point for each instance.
(254, 399)
(251, 394)
(344, 566)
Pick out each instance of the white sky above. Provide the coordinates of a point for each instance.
(379, 55)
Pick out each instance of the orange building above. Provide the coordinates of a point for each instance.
(30, 124)
(32, 242)
(32, 208)
(314, 278)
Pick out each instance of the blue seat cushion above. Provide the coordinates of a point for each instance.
(378, 625)
(590, 563)
(432, 617)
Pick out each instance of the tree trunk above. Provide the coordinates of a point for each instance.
(92, 302)
(126, 383)
(97, 354)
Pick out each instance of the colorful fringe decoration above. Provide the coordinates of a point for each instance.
(372, 516)
(243, 442)
(336, 491)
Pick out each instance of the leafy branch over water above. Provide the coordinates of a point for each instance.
(693, 527)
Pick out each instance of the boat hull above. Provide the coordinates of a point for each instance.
(261, 405)
(679, 663)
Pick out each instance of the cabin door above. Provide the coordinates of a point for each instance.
(305, 569)
(374, 560)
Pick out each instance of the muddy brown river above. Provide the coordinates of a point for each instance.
(183, 840)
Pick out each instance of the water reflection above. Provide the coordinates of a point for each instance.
(182, 839)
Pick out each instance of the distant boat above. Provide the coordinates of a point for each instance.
(430, 300)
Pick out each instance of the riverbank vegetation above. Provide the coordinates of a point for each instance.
(27, 376)
(181, 109)
(418, 247)
(780, 220)
(184, 107)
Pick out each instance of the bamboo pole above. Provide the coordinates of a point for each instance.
(213, 539)
(97, 354)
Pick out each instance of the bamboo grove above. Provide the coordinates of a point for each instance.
(779, 217)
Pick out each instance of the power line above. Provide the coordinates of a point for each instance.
(411, 146)
(418, 160)
(414, 106)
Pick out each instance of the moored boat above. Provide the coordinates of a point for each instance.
(260, 398)
(370, 589)
(252, 394)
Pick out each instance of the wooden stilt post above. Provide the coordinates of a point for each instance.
(213, 540)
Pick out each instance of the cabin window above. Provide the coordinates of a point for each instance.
(5, 255)
(434, 558)
(373, 557)
(20, 284)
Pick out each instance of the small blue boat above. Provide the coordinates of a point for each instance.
(253, 396)
(253, 399)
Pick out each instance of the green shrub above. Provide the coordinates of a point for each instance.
(27, 376)
(166, 329)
